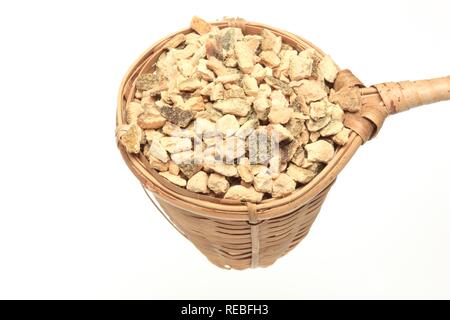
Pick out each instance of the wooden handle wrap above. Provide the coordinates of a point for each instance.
(401, 96)
(381, 100)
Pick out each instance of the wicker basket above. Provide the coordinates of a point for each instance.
(239, 235)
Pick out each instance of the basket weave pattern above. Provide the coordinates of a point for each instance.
(246, 235)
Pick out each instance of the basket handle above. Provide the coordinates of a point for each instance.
(162, 212)
(384, 99)
(402, 96)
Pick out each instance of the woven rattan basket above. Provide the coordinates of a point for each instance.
(239, 235)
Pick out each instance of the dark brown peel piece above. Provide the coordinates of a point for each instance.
(213, 47)
(278, 84)
(295, 105)
(177, 115)
(189, 169)
(146, 81)
(295, 126)
(227, 39)
(288, 151)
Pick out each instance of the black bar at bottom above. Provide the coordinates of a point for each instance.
(223, 309)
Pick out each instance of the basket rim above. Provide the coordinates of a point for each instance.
(215, 207)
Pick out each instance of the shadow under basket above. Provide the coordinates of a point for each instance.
(237, 235)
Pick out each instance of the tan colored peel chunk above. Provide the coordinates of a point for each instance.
(245, 57)
(218, 183)
(174, 179)
(130, 136)
(242, 193)
(283, 186)
(198, 183)
(200, 26)
(235, 106)
(320, 151)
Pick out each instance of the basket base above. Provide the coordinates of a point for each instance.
(231, 244)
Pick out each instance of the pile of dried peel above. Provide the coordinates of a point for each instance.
(243, 117)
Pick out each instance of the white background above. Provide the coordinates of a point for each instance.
(75, 223)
